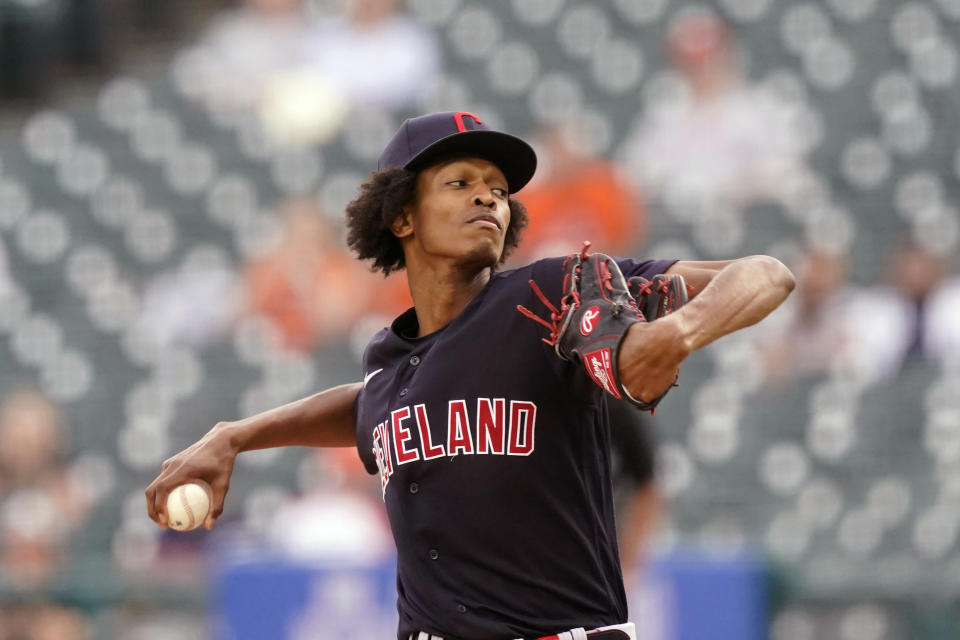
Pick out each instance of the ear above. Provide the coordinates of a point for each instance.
(402, 225)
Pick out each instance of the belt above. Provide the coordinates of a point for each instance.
(626, 631)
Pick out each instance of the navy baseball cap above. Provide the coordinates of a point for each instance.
(421, 141)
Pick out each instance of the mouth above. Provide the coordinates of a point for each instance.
(487, 220)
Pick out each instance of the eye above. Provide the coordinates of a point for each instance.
(458, 183)
(500, 192)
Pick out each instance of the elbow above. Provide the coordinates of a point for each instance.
(791, 281)
(780, 277)
(787, 280)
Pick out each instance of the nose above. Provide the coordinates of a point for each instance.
(485, 199)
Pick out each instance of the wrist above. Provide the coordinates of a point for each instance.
(235, 435)
(682, 330)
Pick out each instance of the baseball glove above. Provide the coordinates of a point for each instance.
(658, 297)
(597, 307)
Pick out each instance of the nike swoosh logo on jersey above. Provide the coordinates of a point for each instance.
(367, 377)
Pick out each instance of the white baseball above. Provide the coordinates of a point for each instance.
(188, 505)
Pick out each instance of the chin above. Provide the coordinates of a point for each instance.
(482, 257)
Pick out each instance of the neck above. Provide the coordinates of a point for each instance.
(441, 291)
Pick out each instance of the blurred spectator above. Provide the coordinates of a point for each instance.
(302, 79)
(911, 319)
(25, 48)
(720, 142)
(339, 518)
(577, 197)
(921, 278)
(44, 622)
(308, 287)
(42, 41)
(808, 334)
(194, 304)
(379, 56)
(40, 508)
(255, 60)
(246, 49)
(88, 31)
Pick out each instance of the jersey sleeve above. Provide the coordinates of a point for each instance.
(362, 417)
(364, 443)
(645, 268)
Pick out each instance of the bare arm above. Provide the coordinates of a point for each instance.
(698, 274)
(742, 293)
(324, 419)
(727, 296)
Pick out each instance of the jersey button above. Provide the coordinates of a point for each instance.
(414, 360)
(404, 392)
(414, 487)
(434, 554)
(461, 608)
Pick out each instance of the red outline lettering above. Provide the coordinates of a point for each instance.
(458, 428)
(400, 436)
(386, 446)
(379, 453)
(522, 411)
(490, 422)
(430, 451)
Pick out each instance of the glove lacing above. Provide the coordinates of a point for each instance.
(571, 300)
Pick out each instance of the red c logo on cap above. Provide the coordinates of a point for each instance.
(458, 118)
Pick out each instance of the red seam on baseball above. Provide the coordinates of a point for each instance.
(186, 505)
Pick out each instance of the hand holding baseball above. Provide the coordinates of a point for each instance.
(208, 464)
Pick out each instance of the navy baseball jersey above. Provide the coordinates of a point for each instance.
(632, 449)
(493, 457)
